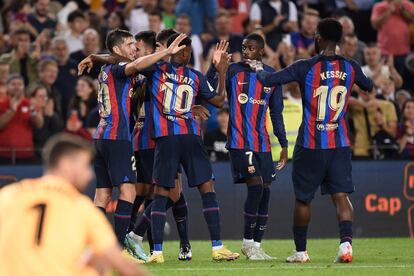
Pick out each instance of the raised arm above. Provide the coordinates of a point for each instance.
(88, 62)
(289, 74)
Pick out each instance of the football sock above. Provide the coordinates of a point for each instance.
(102, 209)
(345, 231)
(180, 211)
(122, 218)
(251, 205)
(137, 203)
(262, 215)
(300, 235)
(158, 217)
(149, 232)
(145, 223)
(212, 217)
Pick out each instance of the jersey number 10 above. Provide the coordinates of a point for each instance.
(181, 100)
(335, 98)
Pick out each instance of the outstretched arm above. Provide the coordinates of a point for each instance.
(284, 76)
(88, 62)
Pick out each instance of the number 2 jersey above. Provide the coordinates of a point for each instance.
(173, 89)
(326, 84)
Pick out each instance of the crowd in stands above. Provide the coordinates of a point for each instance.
(42, 41)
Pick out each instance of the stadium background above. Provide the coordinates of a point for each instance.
(43, 41)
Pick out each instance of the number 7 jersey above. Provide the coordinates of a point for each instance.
(326, 85)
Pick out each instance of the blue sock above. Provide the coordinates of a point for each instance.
(251, 205)
(149, 232)
(262, 215)
(158, 217)
(300, 235)
(122, 219)
(180, 211)
(145, 223)
(137, 203)
(212, 217)
(345, 231)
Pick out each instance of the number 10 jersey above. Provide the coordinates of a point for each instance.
(326, 85)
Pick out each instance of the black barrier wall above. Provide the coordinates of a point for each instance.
(383, 202)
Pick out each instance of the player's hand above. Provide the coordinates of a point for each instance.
(255, 65)
(221, 48)
(87, 64)
(201, 111)
(174, 47)
(223, 65)
(283, 159)
(159, 47)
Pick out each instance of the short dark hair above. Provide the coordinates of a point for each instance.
(41, 66)
(34, 90)
(156, 13)
(21, 31)
(62, 145)
(330, 29)
(75, 14)
(257, 38)
(163, 36)
(186, 41)
(13, 77)
(116, 37)
(183, 15)
(148, 37)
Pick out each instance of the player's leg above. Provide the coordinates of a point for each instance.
(339, 184)
(199, 173)
(103, 192)
(307, 174)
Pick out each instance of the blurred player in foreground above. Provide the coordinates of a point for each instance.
(322, 155)
(63, 232)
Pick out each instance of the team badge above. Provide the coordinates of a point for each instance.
(267, 89)
(251, 169)
(243, 98)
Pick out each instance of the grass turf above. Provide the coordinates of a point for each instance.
(391, 256)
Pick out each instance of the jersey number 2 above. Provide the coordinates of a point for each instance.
(42, 211)
(336, 100)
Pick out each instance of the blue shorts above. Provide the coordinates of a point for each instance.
(246, 164)
(145, 164)
(186, 150)
(114, 163)
(331, 169)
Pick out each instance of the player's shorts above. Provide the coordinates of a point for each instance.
(145, 164)
(114, 163)
(331, 169)
(186, 150)
(246, 164)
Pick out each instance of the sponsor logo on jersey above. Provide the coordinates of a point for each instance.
(251, 169)
(327, 127)
(259, 102)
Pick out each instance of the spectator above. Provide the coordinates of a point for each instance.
(277, 17)
(349, 29)
(77, 24)
(230, 5)
(406, 130)
(239, 9)
(138, 18)
(67, 72)
(40, 20)
(392, 19)
(375, 65)
(90, 45)
(379, 114)
(222, 26)
(386, 87)
(168, 13)
(401, 97)
(199, 11)
(216, 140)
(155, 21)
(52, 124)
(303, 41)
(183, 25)
(349, 46)
(16, 121)
(115, 20)
(81, 104)
(408, 74)
(21, 60)
(4, 76)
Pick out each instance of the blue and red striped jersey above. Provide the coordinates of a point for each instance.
(173, 89)
(248, 102)
(114, 96)
(326, 85)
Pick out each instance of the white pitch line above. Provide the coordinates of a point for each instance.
(338, 266)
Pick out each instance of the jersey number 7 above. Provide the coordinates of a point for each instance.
(42, 211)
(335, 98)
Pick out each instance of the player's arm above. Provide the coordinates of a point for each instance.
(146, 61)
(361, 80)
(276, 115)
(88, 62)
(284, 76)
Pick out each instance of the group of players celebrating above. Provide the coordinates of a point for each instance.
(146, 83)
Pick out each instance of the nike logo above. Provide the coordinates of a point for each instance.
(273, 175)
(241, 83)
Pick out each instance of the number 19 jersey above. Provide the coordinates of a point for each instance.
(326, 85)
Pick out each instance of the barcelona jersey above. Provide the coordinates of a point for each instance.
(326, 84)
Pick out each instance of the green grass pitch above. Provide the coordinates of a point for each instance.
(390, 256)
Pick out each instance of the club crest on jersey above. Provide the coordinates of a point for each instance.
(267, 89)
(243, 98)
(251, 169)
